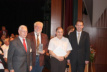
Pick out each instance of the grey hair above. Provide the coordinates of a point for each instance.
(39, 23)
(21, 26)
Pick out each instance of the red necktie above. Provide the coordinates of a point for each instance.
(24, 44)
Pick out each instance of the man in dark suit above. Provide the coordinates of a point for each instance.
(80, 42)
(4, 31)
(2, 61)
(3, 37)
(38, 38)
(19, 59)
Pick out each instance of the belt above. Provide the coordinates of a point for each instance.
(37, 55)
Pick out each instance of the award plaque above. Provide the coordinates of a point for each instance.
(40, 47)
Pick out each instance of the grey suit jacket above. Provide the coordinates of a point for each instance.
(81, 51)
(18, 58)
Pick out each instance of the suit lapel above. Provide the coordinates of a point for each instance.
(75, 35)
(28, 46)
(20, 44)
(34, 41)
(81, 38)
(42, 38)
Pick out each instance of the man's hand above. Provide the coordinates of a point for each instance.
(86, 62)
(47, 54)
(41, 52)
(2, 53)
(5, 59)
(60, 58)
(68, 61)
(12, 70)
(30, 68)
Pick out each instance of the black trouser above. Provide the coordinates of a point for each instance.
(77, 65)
(57, 66)
(1, 70)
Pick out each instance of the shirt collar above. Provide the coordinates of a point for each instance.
(58, 38)
(78, 32)
(36, 33)
(21, 38)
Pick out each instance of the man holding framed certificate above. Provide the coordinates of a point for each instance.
(59, 49)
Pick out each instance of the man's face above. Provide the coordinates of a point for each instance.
(12, 35)
(23, 32)
(6, 42)
(38, 28)
(0, 44)
(79, 26)
(3, 28)
(59, 33)
(3, 37)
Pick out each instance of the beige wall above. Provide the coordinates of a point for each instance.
(98, 8)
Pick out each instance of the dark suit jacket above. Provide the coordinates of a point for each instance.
(2, 42)
(1, 33)
(44, 41)
(81, 51)
(2, 59)
(18, 58)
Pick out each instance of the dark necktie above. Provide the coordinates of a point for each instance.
(38, 42)
(24, 44)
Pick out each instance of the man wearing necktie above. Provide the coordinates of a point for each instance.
(37, 38)
(80, 42)
(19, 56)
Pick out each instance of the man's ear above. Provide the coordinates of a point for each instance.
(83, 26)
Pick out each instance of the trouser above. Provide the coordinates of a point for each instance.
(57, 66)
(77, 65)
(37, 67)
(1, 70)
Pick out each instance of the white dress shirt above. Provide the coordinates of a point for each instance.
(21, 39)
(1, 65)
(62, 44)
(4, 32)
(36, 37)
(5, 50)
(77, 33)
(36, 40)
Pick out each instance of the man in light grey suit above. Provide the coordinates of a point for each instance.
(19, 59)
